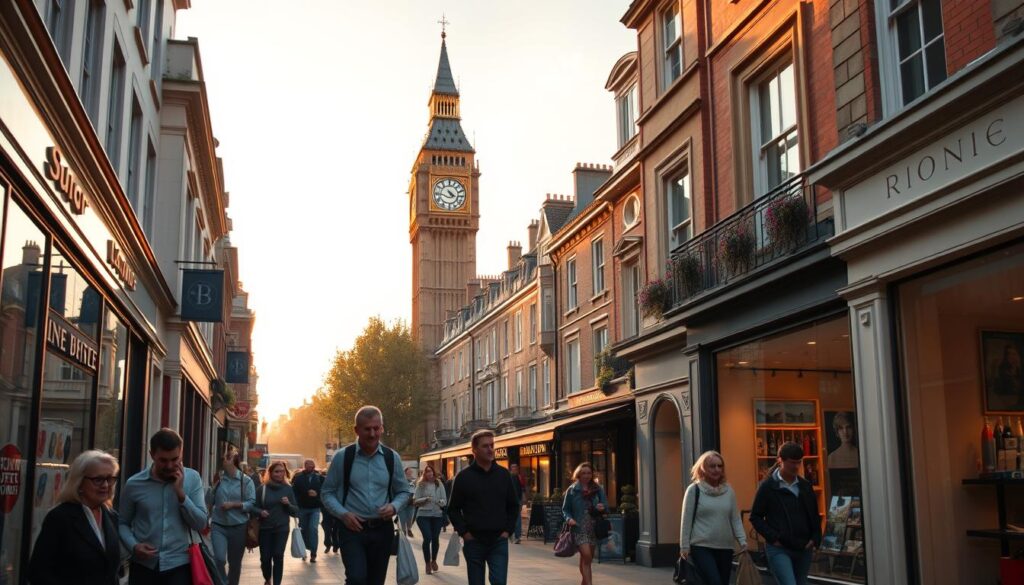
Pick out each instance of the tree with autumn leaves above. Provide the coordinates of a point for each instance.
(387, 368)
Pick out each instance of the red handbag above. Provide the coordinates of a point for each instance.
(197, 563)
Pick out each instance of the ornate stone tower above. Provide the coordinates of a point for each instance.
(443, 212)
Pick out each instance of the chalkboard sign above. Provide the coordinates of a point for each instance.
(613, 548)
(553, 521)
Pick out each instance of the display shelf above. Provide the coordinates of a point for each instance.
(993, 481)
(1002, 534)
(778, 421)
(996, 533)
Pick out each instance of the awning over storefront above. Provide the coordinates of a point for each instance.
(534, 434)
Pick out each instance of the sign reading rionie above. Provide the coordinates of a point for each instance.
(202, 295)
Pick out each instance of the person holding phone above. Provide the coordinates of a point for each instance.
(159, 506)
(275, 508)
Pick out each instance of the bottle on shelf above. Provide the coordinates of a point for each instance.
(814, 445)
(807, 444)
(988, 448)
(998, 434)
(771, 445)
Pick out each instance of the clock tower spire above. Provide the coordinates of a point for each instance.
(443, 211)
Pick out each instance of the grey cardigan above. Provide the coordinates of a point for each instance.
(430, 508)
(268, 497)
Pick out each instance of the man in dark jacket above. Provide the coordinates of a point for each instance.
(785, 513)
(483, 509)
(306, 485)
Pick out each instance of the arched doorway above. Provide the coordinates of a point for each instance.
(668, 471)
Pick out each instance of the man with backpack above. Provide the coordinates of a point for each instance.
(365, 488)
(307, 484)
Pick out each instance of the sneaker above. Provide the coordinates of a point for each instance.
(327, 550)
(517, 541)
(312, 559)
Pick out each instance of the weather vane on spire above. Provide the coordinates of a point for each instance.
(444, 23)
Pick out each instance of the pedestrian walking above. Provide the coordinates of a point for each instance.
(429, 500)
(710, 520)
(482, 510)
(275, 508)
(584, 503)
(307, 485)
(78, 542)
(406, 513)
(331, 525)
(785, 513)
(230, 501)
(159, 508)
(365, 489)
(447, 482)
(520, 487)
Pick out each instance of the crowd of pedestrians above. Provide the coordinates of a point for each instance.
(365, 497)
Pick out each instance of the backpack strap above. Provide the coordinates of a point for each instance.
(349, 458)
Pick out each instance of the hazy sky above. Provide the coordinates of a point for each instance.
(320, 108)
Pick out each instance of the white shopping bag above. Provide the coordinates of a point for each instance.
(298, 545)
(451, 554)
(406, 571)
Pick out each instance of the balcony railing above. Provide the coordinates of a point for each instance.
(780, 224)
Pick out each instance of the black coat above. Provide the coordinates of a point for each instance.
(67, 550)
(774, 510)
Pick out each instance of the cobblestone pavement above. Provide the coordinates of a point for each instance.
(531, 563)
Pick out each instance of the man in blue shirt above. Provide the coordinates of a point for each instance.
(159, 506)
(364, 491)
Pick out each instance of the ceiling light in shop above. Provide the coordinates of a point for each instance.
(744, 363)
(1017, 299)
(812, 343)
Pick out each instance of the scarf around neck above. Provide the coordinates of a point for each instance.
(712, 490)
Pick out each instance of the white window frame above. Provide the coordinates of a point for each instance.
(686, 225)
(115, 105)
(59, 19)
(533, 323)
(532, 382)
(505, 329)
(598, 262)
(494, 345)
(669, 46)
(631, 283)
(144, 19)
(546, 381)
(626, 115)
(517, 333)
(600, 343)
(503, 398)
(479, 356)
(132, 183)
(572, 292)
(149, 191)
(92, 58)
(760, 145)
(573, 383)
(888, 53)
(519, 387)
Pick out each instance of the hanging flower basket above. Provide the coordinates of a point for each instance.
(688, 270)
(655, 297)
(736, 247)
(786, 220)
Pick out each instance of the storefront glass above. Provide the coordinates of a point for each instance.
(962, 342)
(595, 447)
(111, 388)
(797, 386)
(22, 258)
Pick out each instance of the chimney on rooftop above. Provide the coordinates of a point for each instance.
(531, 230)
(515, 252)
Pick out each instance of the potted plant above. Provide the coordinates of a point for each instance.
(655, 297)
(786, 219)
(688, 271)
(630, 519)
(736, 247)
(605, 371)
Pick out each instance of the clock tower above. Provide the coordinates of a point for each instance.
(444, 212)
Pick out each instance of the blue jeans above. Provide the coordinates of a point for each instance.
(714, 564)
(431, 530)
(308, 520)
(228, 547)
(519, 525)
(494, 556)
(366, 553)
(789, 567)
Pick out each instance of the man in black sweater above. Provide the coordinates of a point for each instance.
(306, 486)
(483, 509)
(785, 513)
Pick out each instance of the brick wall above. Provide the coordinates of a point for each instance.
(969, 31)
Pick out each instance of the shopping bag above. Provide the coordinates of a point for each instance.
(451, 553)
(298, 545)
(747, 574)
(565, 546)
(406, 572)
(201, 564)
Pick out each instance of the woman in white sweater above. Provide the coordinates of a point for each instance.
(430, 497)
(710, 523)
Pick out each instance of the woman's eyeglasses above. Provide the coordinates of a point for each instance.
(102, 480)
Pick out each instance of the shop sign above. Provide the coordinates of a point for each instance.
(10, 477)
(70, 343)
(119, 262)
(978, 145)
(202, 293)
(501, 452)
(240, 409)
(65, 181)
(237, 367)
(534, 449)
(585, 398)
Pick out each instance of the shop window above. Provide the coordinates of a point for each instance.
(23, 265)
(798, 386)
(962, 343)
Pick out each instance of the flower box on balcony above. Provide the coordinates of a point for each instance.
(786, 220)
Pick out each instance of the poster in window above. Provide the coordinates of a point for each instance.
(1002, 371)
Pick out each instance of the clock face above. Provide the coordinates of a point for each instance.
(449, 194)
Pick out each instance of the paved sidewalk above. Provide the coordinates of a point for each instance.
(531, 563)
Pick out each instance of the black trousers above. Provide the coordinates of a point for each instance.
(272, 545)
(142, 575)
(366, 554)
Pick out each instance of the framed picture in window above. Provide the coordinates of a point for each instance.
(1002, 371)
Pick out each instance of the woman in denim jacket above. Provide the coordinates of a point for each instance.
(584, 502)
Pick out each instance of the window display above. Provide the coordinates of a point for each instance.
(797, 386)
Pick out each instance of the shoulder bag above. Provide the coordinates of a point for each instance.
(566, 546)
(686, 573)
(252, 528)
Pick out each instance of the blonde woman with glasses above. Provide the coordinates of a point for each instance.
(78, 542)
(710, 523)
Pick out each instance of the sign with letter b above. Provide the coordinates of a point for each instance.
(202, 295)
